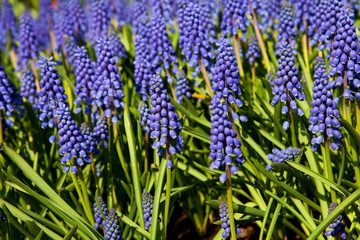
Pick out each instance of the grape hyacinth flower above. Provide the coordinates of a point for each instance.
(62, 25)
(9, 98)
(28, 87)
(281, 156)
(337, 226)
(287, 84)
(224, 218)
(345, 57)
(224, 142)
(165, 8)
(28, 48)
(147, 204)
(77, 17)
(164, 121)
(324, 113)
(71, 140)
(271, 78)
(253, 50)
(180, 17)
(304, 10)
(116, 46)
(196, 41)
(90, 139)
(328, 27)
(112, 227)
(226, 80)
(101, 131)
(182, 87)
(287, 30)
(99, 220)
(51, 92)
(145, 116)
(206, 20)
(138, 9)
(316, 21)
(108, 85)
(85, 78)
(100, 20)
(234, 18)
(70, 49)
(7, 23)
(162, 53)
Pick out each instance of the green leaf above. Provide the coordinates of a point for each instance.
(71, 233)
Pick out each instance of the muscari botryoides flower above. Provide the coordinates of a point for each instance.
(304, 11)
(77, 18)
(226, 80)
(182, 87)
(71, 140)
(165, 8)
(85, 78)
(234, 18)
(287, 30)
(100, 20)
(112, 227)
(61, 25)
(147, 204)
(51, 91)
(224, 147)
(28, 87)
(287, 83)
(164, 121)
(90, 139)
(70, 50)
(138, 9)
(101, 131)
(253, 50)
(345, 57)
(196, 40)
(280, 156)
(116, 46)
(145, 116)
(28, 48)
(99, 220)
(316, 21)
(108, 85)
(7, 23)
(324, 121)
(338, 228)
(162, 52)
(224, 218)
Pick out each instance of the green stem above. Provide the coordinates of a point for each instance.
(291, 121)
(357, 165)
(230, 202)
(88, 211)
(304, 44)
(37, 82)
(238, 58)
(327, 163)
(81, 197)
(167, 201)
(156, 204)
(273, 222)
(260, 40)
(205, 75)
(1, 128)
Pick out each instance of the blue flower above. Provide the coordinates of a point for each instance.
(7, 23)
(324, 113)
(253, 49)
(147, 204)
(70, 50)
(337, 226)
(71, 140)
(112, 227)
(224, 218)
(234, 17)
(99, 220)
(108, 85)
(280, 156)
(28, 87)
(164, 121)
(90, 139)
(116, 46)
(100, 20)
(28, 48)
(287, 30)
(101, 131)
(182, 87)
(51, 92)
(224, 143)
(145, 116)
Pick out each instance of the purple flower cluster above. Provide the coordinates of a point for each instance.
(7, 23)
(182, 87)
(85, 78)
(99, 220)
(253, 50)
(90, 139)
(51, 92)
(345, 57)
(287, 83)
(62, 25)
(324, 113)
(280, 156)
(108, 85)
(100, 20)
(234, 18)
(226, 80)
(287, 30)
(116, 46)
(147, 204)
(28, 48)
(180, 17)
(162, 52)
(70, 50)
(304, 12)
(8, 97)
(337, 226)
(196, 40)
(164, 121)
(224, 143)
(77, 18)
(316, 21)
(28, 87)
(145, 116)
(224, 218)
(101, 131)
(112, 227)
(71, 140)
